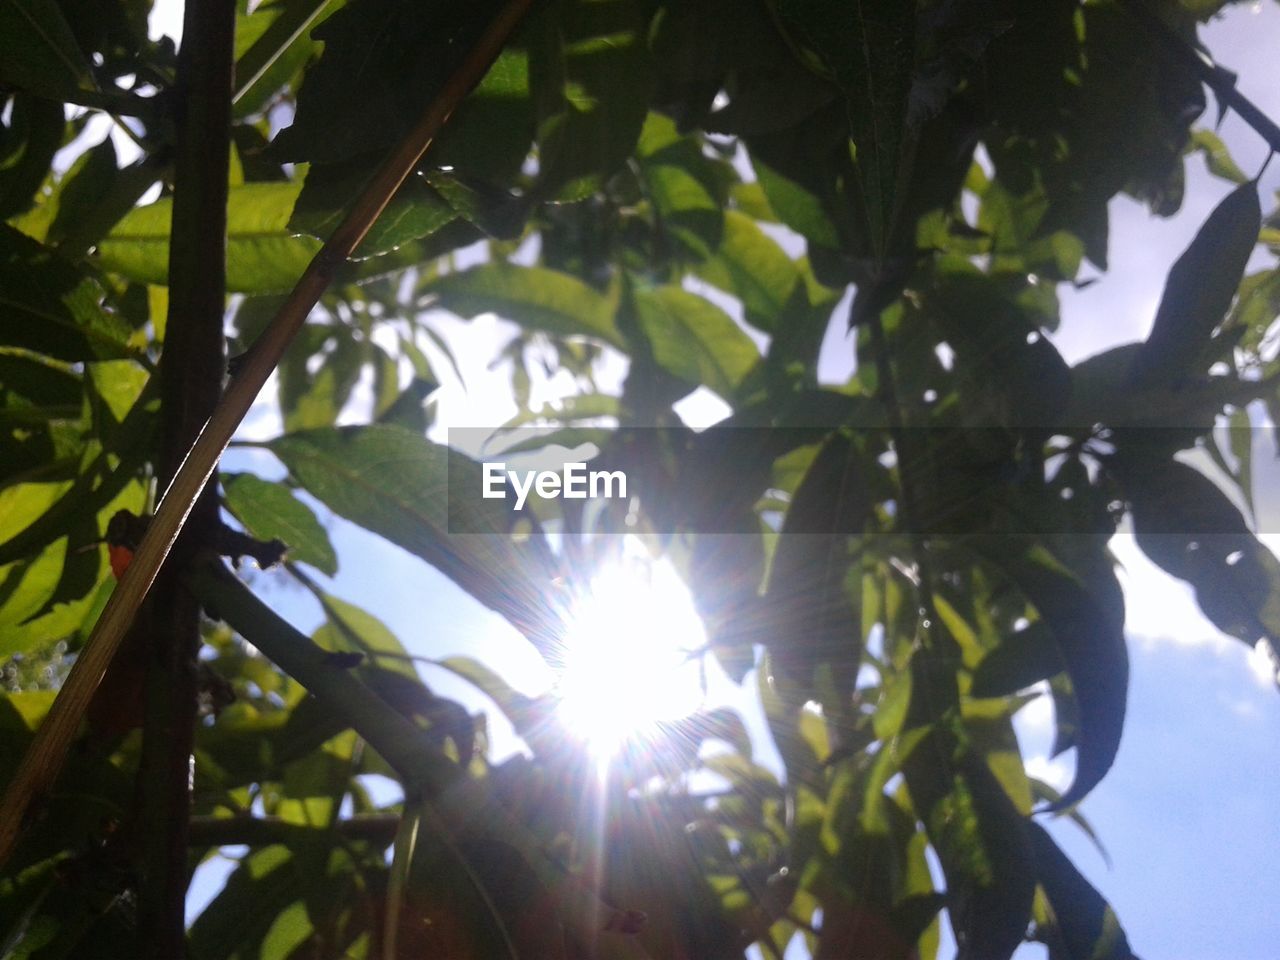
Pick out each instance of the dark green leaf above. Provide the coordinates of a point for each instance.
(272, 44)
(982, 842)
(749, 265)
(38, 51)
(49, 306)
(28, 141)
(415, 211)
(589, 75)
(83, 187)
(383, 62)
(1188, 526)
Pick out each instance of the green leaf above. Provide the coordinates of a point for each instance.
(749, 265)
(526, 714)
(270, 511)
(1199, 291)
(315, 398)
(694, 339)
(682, 183)
(401, 486)
(33, 134)
(797, 207)
(534, 297)
(263, 254)
(38, 51)
(1216, 156)
(272, 44)
(1256, 308)
(49, 306)
(1083, 927)
(83, 188)
(351, 627)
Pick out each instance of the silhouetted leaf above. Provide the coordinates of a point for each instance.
(1187, 525)
(1199, 290)
(38, 51)
(1085, 615)
(1084, 926)
(49, 306)
(589, 76)
(982, 842)
(1021, 660)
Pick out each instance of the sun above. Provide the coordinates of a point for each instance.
(629, 655)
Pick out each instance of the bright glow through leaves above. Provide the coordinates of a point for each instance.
(630, 655)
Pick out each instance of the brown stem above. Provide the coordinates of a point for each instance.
(45, 756)
(191, 371)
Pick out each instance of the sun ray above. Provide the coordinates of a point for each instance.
(629, 655)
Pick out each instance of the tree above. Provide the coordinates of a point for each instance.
(895, 560)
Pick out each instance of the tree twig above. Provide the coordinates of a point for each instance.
(45, 756)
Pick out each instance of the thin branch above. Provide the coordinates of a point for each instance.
(48, 750)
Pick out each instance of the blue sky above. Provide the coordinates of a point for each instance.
(1187, 813)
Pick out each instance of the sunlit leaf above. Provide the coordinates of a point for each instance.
(270, 511)
(263, 255)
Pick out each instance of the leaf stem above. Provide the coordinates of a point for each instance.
(48, 750)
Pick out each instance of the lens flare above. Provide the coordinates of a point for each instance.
(629, 657)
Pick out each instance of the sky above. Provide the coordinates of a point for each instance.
(1188, 811)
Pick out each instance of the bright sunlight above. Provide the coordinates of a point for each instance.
(630, 655)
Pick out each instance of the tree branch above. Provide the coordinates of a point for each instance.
(48, 750)
(191, 370)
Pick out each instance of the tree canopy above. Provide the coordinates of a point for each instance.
(662, 199)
